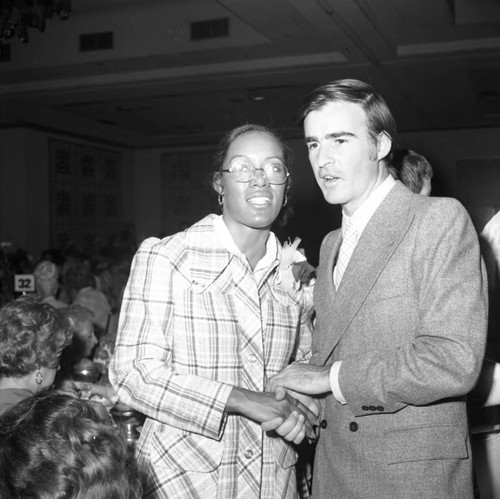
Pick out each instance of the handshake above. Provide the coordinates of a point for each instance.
(293, 415)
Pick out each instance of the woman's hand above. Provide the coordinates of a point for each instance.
(286, 415)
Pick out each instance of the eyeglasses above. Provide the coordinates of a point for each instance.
(243, 170)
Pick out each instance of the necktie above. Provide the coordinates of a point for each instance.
(349, 240)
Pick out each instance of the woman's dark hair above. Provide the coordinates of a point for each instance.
(288, 157)
(54, 446)
(32, 335)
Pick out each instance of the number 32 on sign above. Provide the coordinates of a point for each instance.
(24, 283)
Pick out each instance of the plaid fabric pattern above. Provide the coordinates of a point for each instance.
(192, 326)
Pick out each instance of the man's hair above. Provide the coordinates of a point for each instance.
(53, 445)
(411, 168)
(378, 114)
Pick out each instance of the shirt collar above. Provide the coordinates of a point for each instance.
(362, 215)
(227, 240)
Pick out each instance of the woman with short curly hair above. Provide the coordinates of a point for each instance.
(53, 445)
(32, 337)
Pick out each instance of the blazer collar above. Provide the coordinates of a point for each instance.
(377, 243)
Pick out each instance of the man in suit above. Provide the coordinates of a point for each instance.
(400, 336)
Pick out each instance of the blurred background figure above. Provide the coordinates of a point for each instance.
(78, 372)
(484, 401)
(83, 342)
(80, 283)
(413, 170)
(47, 283)
(32, 337)
(53, 445)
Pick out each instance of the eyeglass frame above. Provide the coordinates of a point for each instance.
(255, 170)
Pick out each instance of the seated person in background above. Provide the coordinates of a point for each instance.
(84, 339)
(46, 283)
(79, 352)
(81, 285)
(413, 170)
(54, 445)
(32, 337)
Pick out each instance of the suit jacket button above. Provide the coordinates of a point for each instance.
(353, 426)
(365, 408)
(323, 424)
(380, 408)
(372, 408)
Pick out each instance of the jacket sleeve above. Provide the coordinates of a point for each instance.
(443, 356)
(141, 370)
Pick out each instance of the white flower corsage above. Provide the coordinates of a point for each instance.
(294, 272)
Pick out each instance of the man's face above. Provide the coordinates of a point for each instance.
(343, 157)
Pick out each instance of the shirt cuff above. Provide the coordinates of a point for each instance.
(334, 382)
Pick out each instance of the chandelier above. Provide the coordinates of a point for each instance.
(17, 16)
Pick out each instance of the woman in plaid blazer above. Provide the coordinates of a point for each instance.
(208, 315)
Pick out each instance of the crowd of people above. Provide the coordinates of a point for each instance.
(238, 353)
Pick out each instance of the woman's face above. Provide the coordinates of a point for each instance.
(257, 203)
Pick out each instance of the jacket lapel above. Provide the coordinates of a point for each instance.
(379, 240)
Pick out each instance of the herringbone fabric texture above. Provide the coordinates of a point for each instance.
(349, 240)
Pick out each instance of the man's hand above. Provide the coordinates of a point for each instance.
(302, 378)
(286, 415)
(293, 429)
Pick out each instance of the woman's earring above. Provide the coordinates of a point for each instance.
(220, 198)
(39, 377)
(285, 201)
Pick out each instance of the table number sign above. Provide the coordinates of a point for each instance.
(24, 283)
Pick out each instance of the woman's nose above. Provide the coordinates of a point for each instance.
(259, 177)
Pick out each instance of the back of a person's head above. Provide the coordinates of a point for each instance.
(78, 315)
(54, 446)
(80, 320)
(412, 169)
(32, 334)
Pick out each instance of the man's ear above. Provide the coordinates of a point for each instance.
(384, 145)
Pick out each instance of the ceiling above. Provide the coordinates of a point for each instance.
(437, 62)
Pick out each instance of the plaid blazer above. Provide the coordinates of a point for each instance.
(193, 324)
